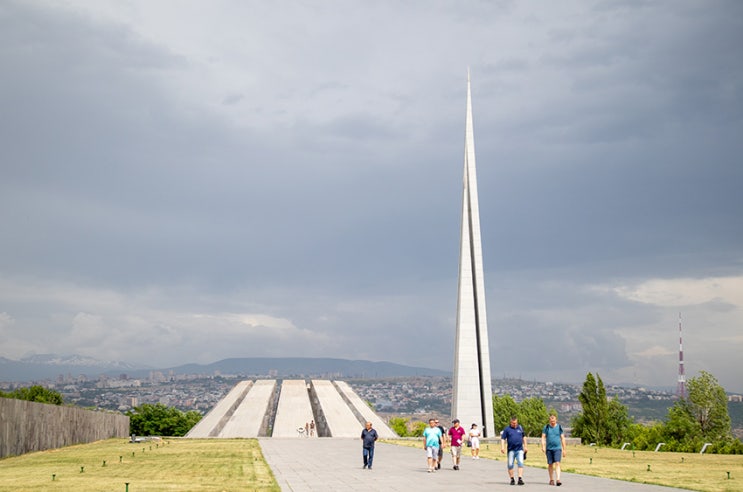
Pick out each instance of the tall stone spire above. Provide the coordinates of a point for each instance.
(472, 399)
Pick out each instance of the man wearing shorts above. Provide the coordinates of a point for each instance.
(456, 438)
(432, 442)
(553, 445)
(514, 436)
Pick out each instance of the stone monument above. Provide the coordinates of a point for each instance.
(472, 399)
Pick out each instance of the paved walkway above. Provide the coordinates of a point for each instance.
(335, 464)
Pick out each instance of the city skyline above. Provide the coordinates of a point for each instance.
(181, 184)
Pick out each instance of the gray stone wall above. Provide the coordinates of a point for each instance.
(27, 426)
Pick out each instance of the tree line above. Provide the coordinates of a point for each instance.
(702, 417)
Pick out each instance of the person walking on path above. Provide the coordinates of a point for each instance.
(513, 435)
(441, 448)
(432, 442)
(456, 438)
(368, 437)
(553, 445)
(474, 438)
(312, 428)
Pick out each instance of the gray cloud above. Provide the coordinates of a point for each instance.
(288, 183)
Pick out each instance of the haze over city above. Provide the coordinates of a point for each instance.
(192, 181)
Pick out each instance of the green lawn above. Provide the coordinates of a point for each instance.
(172, 464)
(703, 472)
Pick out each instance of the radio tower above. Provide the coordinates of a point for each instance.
(681, 385)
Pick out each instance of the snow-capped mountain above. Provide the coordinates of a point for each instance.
(75, 360)
(50, 366)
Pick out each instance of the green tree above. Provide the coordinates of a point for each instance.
(533, 416)
(160, 420)
(601, 421)
(400, 426)
(707, 404)
(617, 423)
(35, 393)
(503, 408)
(418, 428)
(680, 425)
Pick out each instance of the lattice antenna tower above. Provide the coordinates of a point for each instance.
(681, 383)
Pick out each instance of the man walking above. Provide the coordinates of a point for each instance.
(456, 438)
(443, 441)
(553, 445)
(432, 442)
(513, 435)
(368, 437)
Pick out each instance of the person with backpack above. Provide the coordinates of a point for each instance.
(553, 445)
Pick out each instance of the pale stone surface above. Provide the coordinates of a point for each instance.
(248, 416)
(380, 425)
(340, 419)
(472, 390)
(294, 409)
(211, 420)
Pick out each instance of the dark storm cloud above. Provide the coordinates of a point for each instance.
(286, 180)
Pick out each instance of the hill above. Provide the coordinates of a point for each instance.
(51, 367)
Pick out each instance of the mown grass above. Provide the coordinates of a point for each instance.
(703, 472)
(171, 464)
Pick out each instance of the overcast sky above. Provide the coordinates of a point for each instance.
(192, 181)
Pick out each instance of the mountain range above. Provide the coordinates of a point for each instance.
(51, 366)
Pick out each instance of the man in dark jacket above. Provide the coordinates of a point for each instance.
(368, 436)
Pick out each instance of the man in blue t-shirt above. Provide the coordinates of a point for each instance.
(513, 435)
(553, 445)
(432, 441)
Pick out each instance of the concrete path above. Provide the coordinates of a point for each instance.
(335, 464)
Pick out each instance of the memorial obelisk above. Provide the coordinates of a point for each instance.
(472, 399)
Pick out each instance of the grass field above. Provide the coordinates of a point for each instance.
(238, 464)
(172, 464)
(703, 472)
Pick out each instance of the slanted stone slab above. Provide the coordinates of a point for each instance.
(209, 425)
(380, 425)
(339, 418)
(294, 409)
(248, 416)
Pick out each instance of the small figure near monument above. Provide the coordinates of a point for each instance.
(514, 436)
(432, 442)
(553, 445)
(456, 438)
(474, 441)
(306, 429)
(312, 428)
(368, 437)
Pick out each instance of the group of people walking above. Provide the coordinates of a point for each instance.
(513, 442)
(435, 438)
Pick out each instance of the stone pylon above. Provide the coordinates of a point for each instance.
(472, 399)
